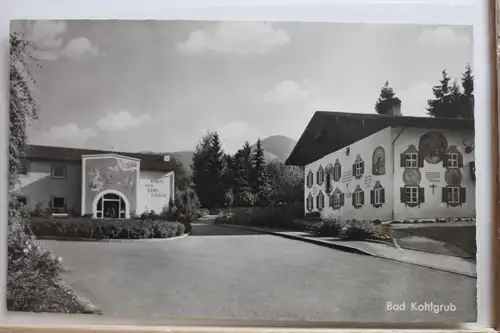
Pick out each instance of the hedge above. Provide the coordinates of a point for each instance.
(105, 228)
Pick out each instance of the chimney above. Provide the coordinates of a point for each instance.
(395, 107)
(166, 158)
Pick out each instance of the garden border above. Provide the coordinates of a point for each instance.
(109, 240)
(84, 302)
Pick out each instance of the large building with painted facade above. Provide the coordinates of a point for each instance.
(369, 166)
(95, 183)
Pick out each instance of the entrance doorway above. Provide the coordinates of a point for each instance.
(110, 206)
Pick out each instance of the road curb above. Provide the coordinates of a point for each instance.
(110, 240)
(346, 248)
(88, 306)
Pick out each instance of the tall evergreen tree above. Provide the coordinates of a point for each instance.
(441, 105)
(215, 170)
(259, 178)
(386, 99)
(200, 176)
(468, 92)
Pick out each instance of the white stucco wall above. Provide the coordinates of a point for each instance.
(365, 149)
(433, 174)
(154, 191)
(39, 186)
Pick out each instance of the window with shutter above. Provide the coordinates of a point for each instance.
(421, 194)
(411, 195)
(310, 179)
(320, 178)
(320, 201)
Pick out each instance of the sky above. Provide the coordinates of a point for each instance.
(161, 85)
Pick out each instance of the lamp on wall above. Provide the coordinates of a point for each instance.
(469, 147)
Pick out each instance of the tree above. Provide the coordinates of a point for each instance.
(22, 103)
(286, 183)
(242, 169)
(441, 106)
(259, 178)
(200, 176)
(449, 100)
(215, 169)
(386, 100)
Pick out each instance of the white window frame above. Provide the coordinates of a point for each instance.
(452, 160)
(377, 196)
(412, 195)
(359, 168)
(54, 203)
(357, 198)
(336, 172)
(321, 176)
(310, 203)
(453, 195)
(53, 168)
(411, 160)
(310, 175)
(336, 201)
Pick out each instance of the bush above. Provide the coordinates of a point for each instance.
(271, 217)
(332, 228)
(33, 275)
(358, 230)
(244, 199)
(105, 229)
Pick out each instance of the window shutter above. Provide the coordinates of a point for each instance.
(421, 194)
(420, 160)
(354, 169)
(460, 160)
(445, 160)
(362, 194)
(402, 195)
(342, 199)
(382, 195)
(352, 198)
(330, 200)
(317, 177)
(444, 194)
(402, 160)
(462, 195)
(372, 199)
(362, 168)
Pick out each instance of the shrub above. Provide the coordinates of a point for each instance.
(105, 229)
(33, 274)
(358, 230)
(244, 199)
(331, 228)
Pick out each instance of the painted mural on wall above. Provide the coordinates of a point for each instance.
(433, 146)
(111, 173)
(378, 161)
(328, 178)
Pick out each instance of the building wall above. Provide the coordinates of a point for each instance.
(39, 187)
(154, 191)
(364, 149)
(431, 176)
(109, 173)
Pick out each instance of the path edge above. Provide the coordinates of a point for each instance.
(346, 248)
(110, 240)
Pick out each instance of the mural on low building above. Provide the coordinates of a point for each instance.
(432, 146)
(378, 161)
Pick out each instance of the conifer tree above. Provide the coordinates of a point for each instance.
(386, 99)
(215, 170)
(259, 179)
(200, 176)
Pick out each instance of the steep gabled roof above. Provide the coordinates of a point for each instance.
(151, 162)
(330, 131)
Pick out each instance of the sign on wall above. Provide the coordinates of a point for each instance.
(346, 177)
(156, 189)
(433, 176)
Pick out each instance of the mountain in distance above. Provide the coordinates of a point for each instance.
(276, 148)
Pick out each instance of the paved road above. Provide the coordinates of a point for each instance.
(229, 273)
